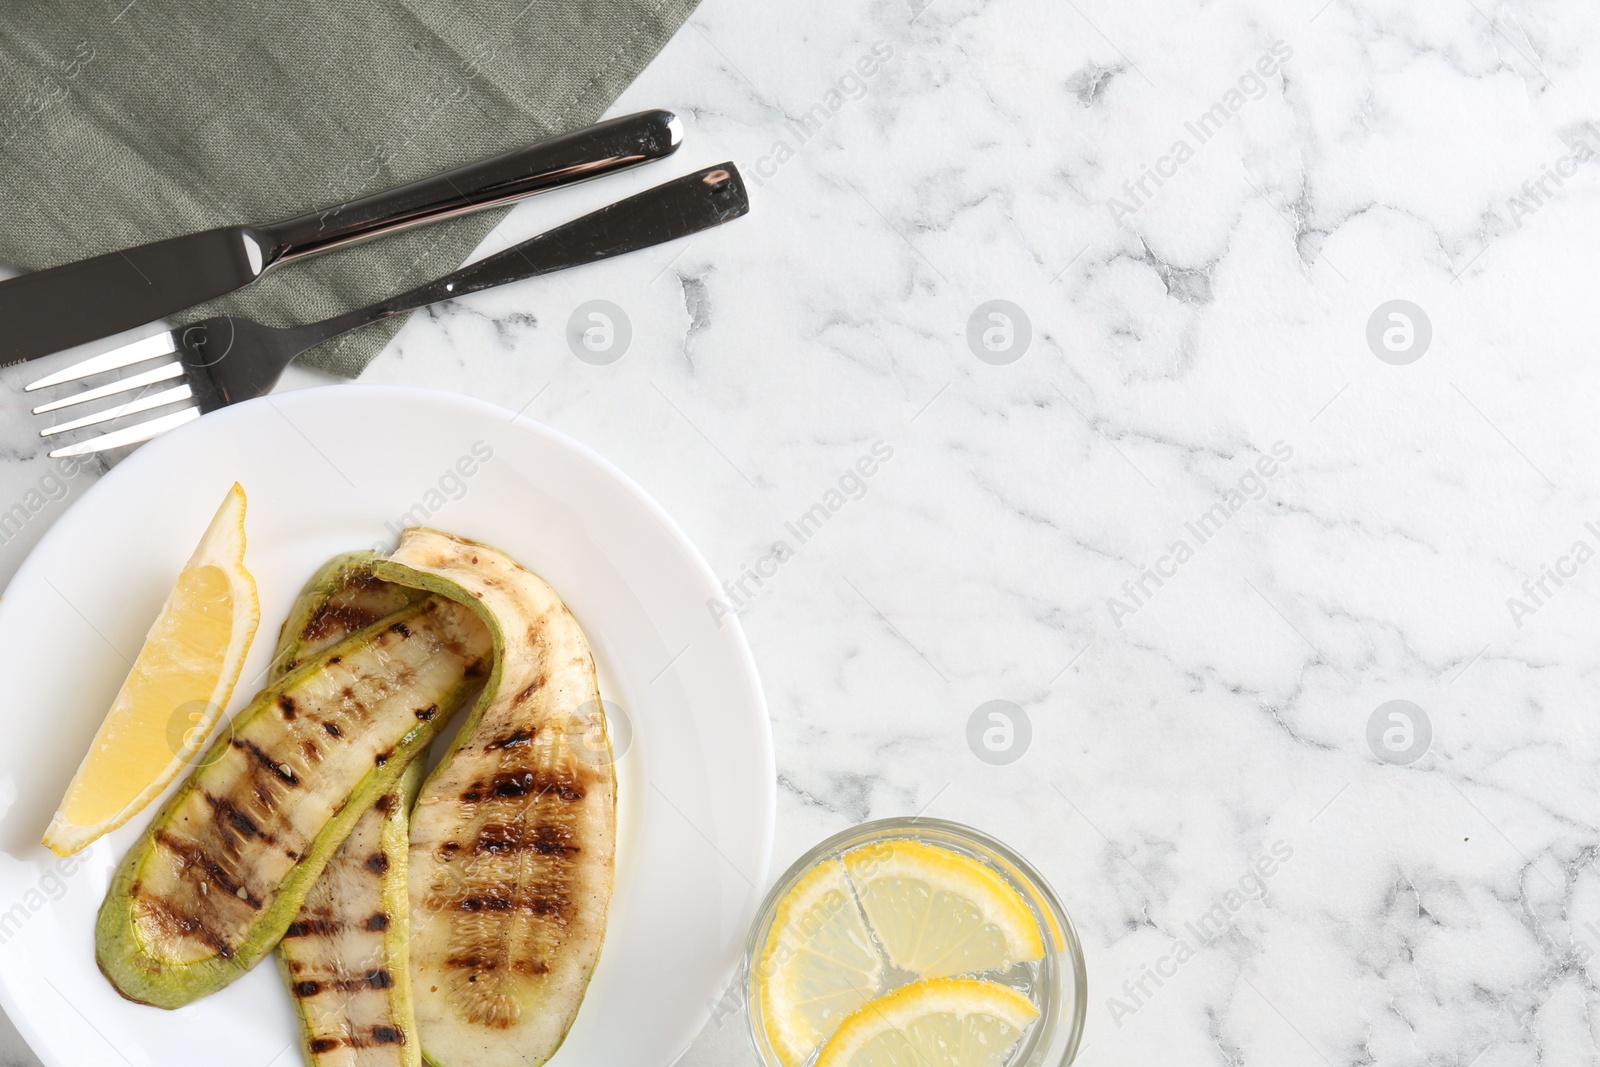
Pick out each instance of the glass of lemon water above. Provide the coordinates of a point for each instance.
(914, 943)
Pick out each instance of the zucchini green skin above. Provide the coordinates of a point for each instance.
(513, 836)
(345, 959)
(220, 873)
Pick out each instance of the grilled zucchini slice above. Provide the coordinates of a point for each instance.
(219, 875)
(513, 836)
(344, 958)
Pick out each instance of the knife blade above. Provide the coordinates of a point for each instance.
(52, 309)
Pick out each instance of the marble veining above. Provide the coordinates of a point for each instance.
(1211, 361)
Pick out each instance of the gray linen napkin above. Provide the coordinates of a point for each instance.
(124, 122)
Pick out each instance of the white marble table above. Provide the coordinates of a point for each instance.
(1197, 527)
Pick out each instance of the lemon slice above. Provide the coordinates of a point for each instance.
(938, 913)
(941, 1022)
(180, 683)
(817, 966)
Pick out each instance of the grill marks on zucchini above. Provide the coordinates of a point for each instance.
(223, 869)
(507, 891)
(342, 597)
(343, 959)
(506, 895)
(513, 836)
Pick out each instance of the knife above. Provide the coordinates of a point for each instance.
(48, 310)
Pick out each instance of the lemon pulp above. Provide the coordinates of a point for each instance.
(940, 1022)
(934, 913)
(180, 683)
(818, 964)
(939, 913)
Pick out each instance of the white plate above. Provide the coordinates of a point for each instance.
(330, 470)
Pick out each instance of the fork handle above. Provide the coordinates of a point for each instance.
(675, 209)
(566, 160)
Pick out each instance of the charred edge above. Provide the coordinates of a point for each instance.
(533, 687)
(278, 770)
(401, 629)
(544, 841)
(229, 815)
(361, 578)
(318, 1045)
(485, 965)
(495, 841)
(287, 705)
(526, 782)
(386, 804)
(515, 739)
(471, 963)
(377, 863)
(551, 841)
(562, 789)
(190, 925)
(486, 904)
(193, 855)
(378, 979)
(532, 905)
(336, 618)
(513, 784)
(313, 928)
(426, 714)
(378, 921)
(383, 757)
(387, 1035)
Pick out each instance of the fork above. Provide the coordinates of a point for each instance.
(225, 360)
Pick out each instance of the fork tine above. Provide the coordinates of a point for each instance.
(132, 407)
(132, 435)
(136, 352)
(134, 381)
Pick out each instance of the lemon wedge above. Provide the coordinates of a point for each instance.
(818, 965)
(941, 1022)
(180, 683)
(938, 913)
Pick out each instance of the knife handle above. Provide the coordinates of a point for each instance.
(611, 146)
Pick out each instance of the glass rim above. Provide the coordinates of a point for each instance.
(1070, 948)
